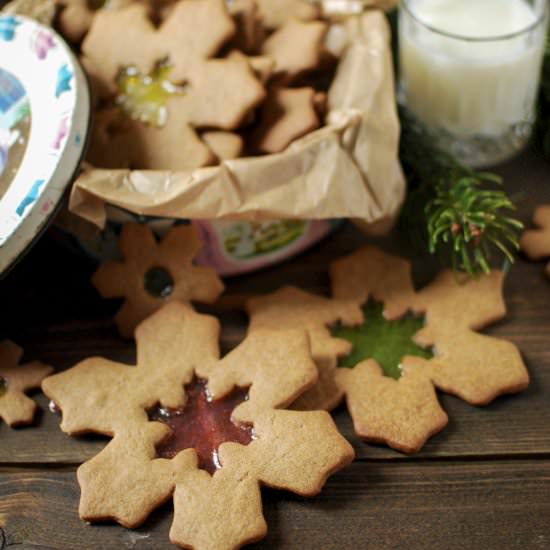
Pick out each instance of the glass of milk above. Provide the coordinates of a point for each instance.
(470, 70)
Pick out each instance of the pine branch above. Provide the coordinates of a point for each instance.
(457, 214)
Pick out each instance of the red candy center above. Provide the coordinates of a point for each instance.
(202, 425)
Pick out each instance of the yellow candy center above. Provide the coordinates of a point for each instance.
(144, 97)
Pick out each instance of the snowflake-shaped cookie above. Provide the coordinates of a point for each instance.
(536, 242)
(16, 408)
(405, 412)
(76, 16)
(286, 449)
(276, 13)
(292, 308)
(213, 93)
(152, 274)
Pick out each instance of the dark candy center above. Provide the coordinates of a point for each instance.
(158, 282)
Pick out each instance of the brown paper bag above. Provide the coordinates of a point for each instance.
(347, 169)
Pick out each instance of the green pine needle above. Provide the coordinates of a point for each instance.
(460, 215)
(451, 211)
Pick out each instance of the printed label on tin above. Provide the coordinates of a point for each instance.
(15, 125)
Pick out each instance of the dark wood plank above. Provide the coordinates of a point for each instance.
(512, 426)
(49, 308)
(444, 505)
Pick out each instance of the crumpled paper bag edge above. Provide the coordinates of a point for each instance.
(246, 188)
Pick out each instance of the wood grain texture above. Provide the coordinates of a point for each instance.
(50, 309)
(447, 506)
(484, 482)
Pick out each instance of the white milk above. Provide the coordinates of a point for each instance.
(470, 87)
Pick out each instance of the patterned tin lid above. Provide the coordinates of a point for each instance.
(44, 122)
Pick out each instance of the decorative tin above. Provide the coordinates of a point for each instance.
(44, 120)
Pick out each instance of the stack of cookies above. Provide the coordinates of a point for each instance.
(169, 98)
(266, 109)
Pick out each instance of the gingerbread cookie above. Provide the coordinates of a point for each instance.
(76, 16)
(250, 31)
(225, 145)
(276, 13)
(16, 408)
(169, 88)
(119, 142)
(206, 430)
(292, 308)
(287, 114)
(157, 131)
(75, 19)
(296, 47)
(263, 67)
(536, 242)
(472, 366)
(142, 45)
(152, 274)
(401, 414)
(402, 345)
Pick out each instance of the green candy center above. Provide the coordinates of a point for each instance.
(385, 341)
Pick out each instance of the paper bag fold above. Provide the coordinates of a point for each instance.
(346, 169)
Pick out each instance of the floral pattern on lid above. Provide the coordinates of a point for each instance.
(33, 58)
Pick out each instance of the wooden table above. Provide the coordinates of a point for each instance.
(483, 483)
